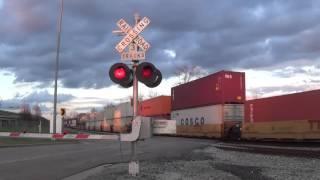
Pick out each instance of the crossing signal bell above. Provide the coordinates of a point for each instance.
(146, 73)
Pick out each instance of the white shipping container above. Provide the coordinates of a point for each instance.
(87, 125)
(123, 114)
(164, 127)
(99, 116)
(123, 110)
(109, 112)
(214, 114)
(97, 125)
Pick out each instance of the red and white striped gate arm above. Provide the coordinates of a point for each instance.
(59, 136)
(133, 136)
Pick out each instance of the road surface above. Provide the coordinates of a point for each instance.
(61, 161)
(160, 158)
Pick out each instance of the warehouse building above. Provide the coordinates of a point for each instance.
(8, 120)
(14, 122)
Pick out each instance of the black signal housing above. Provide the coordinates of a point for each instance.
(121, 74)
(148, 74)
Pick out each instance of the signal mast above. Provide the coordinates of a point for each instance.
(132, 48)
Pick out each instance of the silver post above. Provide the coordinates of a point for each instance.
(135, 105)
(134, 164)
(40, 130)
(57, 66)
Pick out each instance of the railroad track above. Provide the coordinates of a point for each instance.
(296, 149)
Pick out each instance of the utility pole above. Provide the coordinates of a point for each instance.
(59, 23)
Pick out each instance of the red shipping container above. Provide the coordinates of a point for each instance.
(218, 88)
(158, 106)
(297, 106)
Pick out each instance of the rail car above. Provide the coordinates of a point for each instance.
(112, 119)
(292, 116)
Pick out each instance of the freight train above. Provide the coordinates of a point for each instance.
(215, 106)
(112, 119)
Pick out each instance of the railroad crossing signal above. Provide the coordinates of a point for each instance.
(132, 33)
(139, 40)
(136, 47)
(145, 72)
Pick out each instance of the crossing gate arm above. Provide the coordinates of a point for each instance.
(26, 135)
(59, 136)
(133, 136)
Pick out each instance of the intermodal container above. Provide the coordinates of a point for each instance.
(290, 107)
(208, 120)
(164, 127)
(223, 87)
(159, 106)
(123, 114)
(109, 111)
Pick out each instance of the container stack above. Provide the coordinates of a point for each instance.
(293, 116)
(159, 109)
(122, 117)
(107, 124)
(114, 118)
(156, 108)
(210, 106)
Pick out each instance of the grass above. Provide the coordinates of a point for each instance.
(10, 141)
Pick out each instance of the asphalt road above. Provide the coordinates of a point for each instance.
(61, 161)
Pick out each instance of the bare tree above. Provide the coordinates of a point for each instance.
(187, 73)
(93, 110)
(256, 93)
(36, 110)
(25, 108)
(25, 113)
(152, 94)
(73, 114)
(130, 98)
(108, 106)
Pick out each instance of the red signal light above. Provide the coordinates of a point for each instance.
(119, 73)
(147, 72)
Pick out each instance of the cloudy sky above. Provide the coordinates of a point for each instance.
(277, 44)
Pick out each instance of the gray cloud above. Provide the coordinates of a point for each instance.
(272, 89)
(294, 71)
(37, 97)
(212, 34)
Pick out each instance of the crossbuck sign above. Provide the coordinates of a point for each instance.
(132, 37)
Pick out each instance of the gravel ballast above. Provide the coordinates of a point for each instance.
(215, 163)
